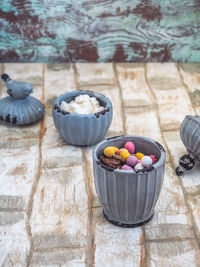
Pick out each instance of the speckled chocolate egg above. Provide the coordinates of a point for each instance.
(130, 147)
(124, 154)
(146, 161)
(138, 167)
(115, 148)
(139, 155)
(131, 161)
(109, 151)
(126, 168)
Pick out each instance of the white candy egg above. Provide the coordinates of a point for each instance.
(138, 167)
(146, 161)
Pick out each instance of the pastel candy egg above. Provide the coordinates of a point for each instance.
(146, 161)
(138, 167)
(115, 149)
(109, 151)
(139, 155)
(138, 161)
(126, 168)
(131, 161)
(130, 147)
(124, 154)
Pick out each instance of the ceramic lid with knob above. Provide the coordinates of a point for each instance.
(19, 108)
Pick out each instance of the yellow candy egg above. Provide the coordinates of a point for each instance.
(109, 151)
(115, 148)
(124, 154)
(139, 155)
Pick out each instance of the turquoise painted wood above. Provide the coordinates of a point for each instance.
(99, 30)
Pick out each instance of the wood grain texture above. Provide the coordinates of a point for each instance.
(99, 30)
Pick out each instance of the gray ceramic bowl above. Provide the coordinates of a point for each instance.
(82, 129)
(129, 198)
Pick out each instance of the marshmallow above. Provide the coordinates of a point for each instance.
(82, 104)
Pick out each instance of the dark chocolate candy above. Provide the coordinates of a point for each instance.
(111, 162)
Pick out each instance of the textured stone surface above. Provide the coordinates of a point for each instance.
(143, 121)
(68, 257)
(27, 72)
(135, 91)
(14, 242)
(175, 145)
(191, 180)
(172, 99)
(95, 199)
(177, 253)
(50, 214)
(18, 170)
(191, 76)
(194, 204)
(12, 202)
(171, 220)
(62, 223)
(58, 80)
(8, 132)
(51, 138)
(172, 115)
(17, 143)
(61, 156)
(92, 74)
(111, 243)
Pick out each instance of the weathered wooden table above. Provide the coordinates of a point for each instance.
(49, 212)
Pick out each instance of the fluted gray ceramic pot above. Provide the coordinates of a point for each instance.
(190, 136)
(129, 198)
(82, 129)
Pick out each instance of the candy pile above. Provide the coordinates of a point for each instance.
(82, 104)
(125, 159)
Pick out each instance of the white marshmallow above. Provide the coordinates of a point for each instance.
(82, 104)
(82, 98)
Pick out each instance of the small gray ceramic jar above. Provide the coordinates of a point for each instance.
(129, 198)
(82, 129)
(190, 136)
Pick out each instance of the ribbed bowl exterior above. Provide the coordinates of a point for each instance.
(82, 129)
(127, 197)
(190, 134)
(21, 111)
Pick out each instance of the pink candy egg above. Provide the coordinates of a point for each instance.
(126, 168)
(130, 147)
(131, 161)
(138, 161)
